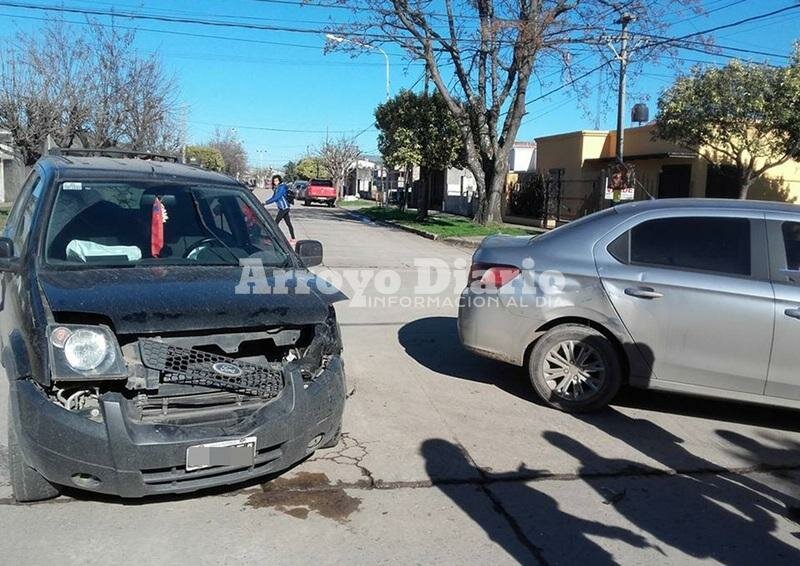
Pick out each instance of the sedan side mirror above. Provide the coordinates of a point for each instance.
(310, 251)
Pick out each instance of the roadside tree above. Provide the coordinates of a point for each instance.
(338, 157)
(418, 129)
(88, 87)
(232, 150)
(742, 115)
(311, 168)
(482, 55)
(207, 157)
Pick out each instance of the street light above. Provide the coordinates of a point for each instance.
(339, 39)
(261, 153)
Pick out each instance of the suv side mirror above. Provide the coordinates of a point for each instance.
(6, 248)
(310, 251)
(7, 260)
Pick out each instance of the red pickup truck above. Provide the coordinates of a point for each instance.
(319, 190)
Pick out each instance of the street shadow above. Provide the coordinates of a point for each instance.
(433, 342)
(535, 520)
(702, 510)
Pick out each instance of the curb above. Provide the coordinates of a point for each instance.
(390, 224)
(453, 241)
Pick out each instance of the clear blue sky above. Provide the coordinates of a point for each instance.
(237, 81)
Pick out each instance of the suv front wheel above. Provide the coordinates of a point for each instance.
(575, 369)
(26, 483)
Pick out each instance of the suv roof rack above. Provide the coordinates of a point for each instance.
(112, 152)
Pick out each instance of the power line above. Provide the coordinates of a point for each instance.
(166, 19)
(171, 32)
(728, 25)
(568, 83)
(281, 130)
(182, 20)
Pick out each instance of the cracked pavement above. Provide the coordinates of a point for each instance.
(446, 457)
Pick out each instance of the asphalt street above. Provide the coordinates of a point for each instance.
(450, 458)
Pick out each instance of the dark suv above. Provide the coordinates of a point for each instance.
(158, 333)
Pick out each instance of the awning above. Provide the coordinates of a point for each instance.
(643, 156)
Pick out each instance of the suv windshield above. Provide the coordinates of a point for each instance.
(321, 182)
(106, 223)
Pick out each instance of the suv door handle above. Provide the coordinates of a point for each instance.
(794, 313)
(643, 293)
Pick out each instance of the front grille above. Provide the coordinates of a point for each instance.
(195, 367)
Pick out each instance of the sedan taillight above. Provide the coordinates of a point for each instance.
(492, 276)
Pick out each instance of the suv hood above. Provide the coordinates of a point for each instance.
(178, 299)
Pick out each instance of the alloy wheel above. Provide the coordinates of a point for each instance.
(574, 370)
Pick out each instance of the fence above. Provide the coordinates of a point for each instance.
(551, 200)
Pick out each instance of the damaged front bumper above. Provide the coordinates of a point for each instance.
(124, 454)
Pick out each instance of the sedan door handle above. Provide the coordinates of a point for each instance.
(794, 313)
(643, 293)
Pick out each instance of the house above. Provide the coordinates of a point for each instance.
(523, 156)
(12, 170)
(575, 164)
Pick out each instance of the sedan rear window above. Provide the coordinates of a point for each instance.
(720, 245)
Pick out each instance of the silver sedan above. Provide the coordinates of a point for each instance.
(698, 296)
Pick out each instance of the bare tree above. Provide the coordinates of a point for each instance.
(88, 84)
(338, 157)
(482, 55)
(232, 150)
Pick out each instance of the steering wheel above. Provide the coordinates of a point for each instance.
(194, 249)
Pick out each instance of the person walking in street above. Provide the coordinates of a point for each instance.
(281, 198)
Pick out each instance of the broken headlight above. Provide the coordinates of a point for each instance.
(79, 352)
(326, 343)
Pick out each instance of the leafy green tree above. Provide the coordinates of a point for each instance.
(419, 129)
(743, 115)
(206, 157)
(311, 168)
(290, 171)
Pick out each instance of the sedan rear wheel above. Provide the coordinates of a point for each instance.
(575, 368)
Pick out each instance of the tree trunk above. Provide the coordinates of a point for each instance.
(490, 189)
(424, 197)
(745, 180)
(403, 197)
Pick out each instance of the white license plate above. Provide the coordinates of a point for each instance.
(240, 452)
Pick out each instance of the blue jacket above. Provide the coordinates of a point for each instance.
(279, 197)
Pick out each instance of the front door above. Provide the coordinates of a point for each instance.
(694, 296)
(674, 181)
(784, 370)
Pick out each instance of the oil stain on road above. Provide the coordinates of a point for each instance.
(305, 492)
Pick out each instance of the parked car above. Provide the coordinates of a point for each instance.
(697, 296)
(139, 362)
(319, 190)
(299, 188)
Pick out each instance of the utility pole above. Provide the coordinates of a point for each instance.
(623, 64)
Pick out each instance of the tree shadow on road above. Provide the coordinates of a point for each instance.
(521, 535)
(612, 508)
(703, 511)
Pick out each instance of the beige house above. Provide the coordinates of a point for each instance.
(576, 161)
